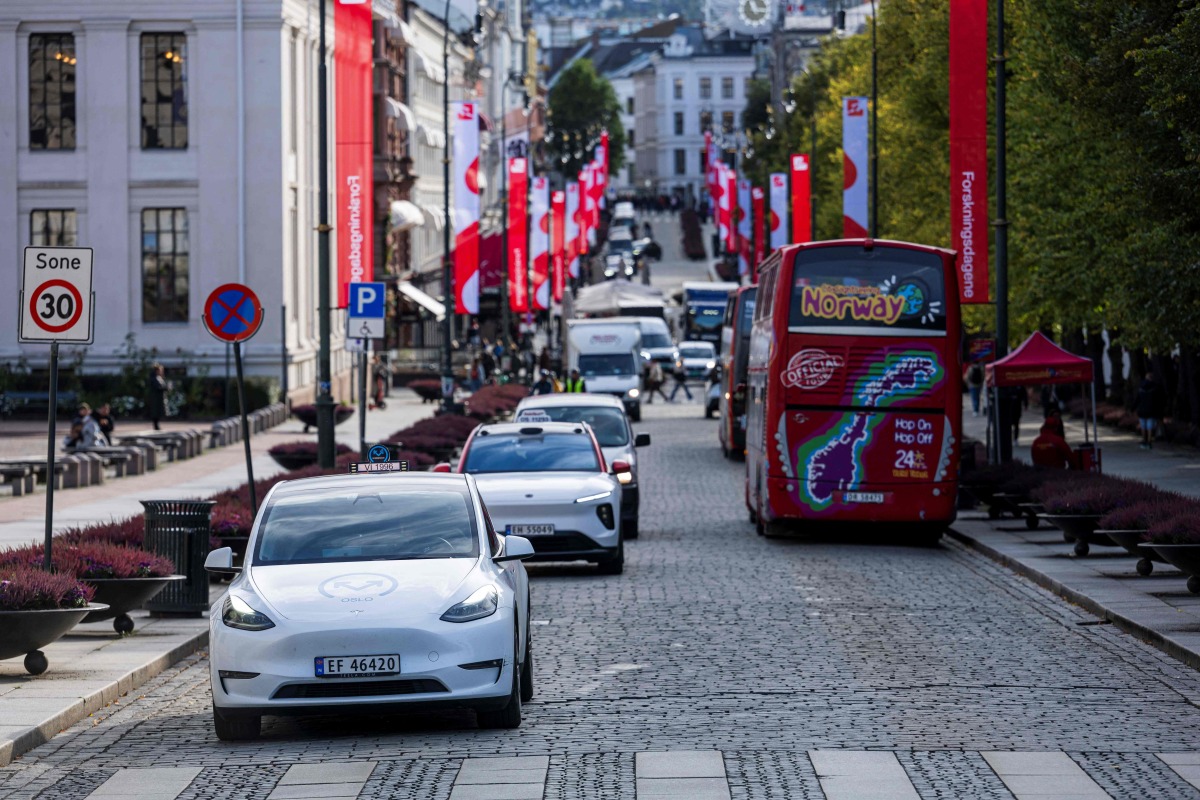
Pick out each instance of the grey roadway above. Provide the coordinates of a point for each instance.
(793, 668)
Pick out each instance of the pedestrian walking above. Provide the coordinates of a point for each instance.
(1016, 400)
(1149, 409)
(156, 394)
(654, 383)
(680, 383)
(975, 386)
(489, 363)
(545, 384)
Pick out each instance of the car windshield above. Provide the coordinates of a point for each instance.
(369, 524)
(555, 452)
(695, 352)
(594, 364)
(708, 316)
(655, 340)
(607, 423)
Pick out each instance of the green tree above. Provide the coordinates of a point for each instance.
(581, 105)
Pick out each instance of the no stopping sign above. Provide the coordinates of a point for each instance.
(56, 295)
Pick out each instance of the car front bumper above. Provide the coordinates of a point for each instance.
(578, 530)
(281, 663)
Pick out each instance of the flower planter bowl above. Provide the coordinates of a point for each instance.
(1132, 541)
(123, 595)
(26, 632)
(1082, 529)
(1184, 556)
(294, 461)
(307, 415)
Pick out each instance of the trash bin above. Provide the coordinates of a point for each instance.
(180, 530)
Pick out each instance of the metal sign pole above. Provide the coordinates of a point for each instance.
(241, 387)
(362, 402)
(53, 414)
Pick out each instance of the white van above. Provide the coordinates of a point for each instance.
(607, 354)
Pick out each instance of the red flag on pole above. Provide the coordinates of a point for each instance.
(801, 199)
(558, 255)
(355, 170)
(518, 291)
(466, 207)
(539, 239)
(758, 201)
(968, 147)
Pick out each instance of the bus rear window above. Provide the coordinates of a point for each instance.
(851, 290)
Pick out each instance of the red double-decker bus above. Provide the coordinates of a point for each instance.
(854, 410)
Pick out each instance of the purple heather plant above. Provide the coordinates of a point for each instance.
(1180, 529)
(1098, 498)
(26, 589)
(1141, 516)
(303, 449)
(92, 561)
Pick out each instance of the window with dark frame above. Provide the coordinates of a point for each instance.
(629, 105)
(681, 162)
(679, 123)
(53, 227)
(706, 88)
(164, 265)
(164, 91)
(678, 87)
(706, 120)
(52, 91)
(727, 88)
(727, 121)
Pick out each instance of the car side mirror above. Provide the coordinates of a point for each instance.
(641, 440)
(220, 561)
(442, 467)
(515, 549)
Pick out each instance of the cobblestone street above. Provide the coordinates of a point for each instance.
(767, 652)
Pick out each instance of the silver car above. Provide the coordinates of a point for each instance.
(606, 417)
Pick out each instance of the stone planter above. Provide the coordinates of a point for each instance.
(1082, 529)
(1184, 556)
(26, 632)
(294, 461)
(1131, 540)
(123, 595)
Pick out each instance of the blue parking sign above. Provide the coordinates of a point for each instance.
(366, 300)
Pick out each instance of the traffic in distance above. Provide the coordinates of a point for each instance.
(831, 378)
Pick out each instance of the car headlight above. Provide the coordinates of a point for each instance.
(237, 613)
(633, 393)
(592, 497)
(710, 365)
(482, 603)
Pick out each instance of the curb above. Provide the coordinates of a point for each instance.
(37, 735)
(1147, 634)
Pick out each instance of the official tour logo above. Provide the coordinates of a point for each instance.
(357, 586)
(811, 369)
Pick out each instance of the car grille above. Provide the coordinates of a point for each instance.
(299, 691)
(563, 542)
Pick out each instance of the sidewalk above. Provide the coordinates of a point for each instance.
(1157, 608)
(91, 666)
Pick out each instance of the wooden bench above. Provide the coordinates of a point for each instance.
(169, 446)
(19, 477)
(38, 466)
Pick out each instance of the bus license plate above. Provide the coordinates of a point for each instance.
(531, 530)
(356, 666)
(862, 497)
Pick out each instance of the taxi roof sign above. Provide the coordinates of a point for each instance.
(357, 467)
(533, 415)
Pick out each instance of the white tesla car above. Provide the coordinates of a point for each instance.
(548, 482)
(606, 416)
(371, 593)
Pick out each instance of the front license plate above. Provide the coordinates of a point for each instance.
(531, 530)
(355, 666)
(862, 497)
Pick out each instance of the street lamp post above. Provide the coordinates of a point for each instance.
(874, 129)
(447, 291)
(325, 452)
(505, 317)
(1003, 418)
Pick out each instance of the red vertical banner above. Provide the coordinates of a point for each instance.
(730, 189)
(518, 292)
(558, 250)
(602, 158)
(354, 216)
(968, 147)
(571, 246)
(801, 199)
(539, 242)
(758, 201)
(779, 210)
(466, 207)
(585, 208)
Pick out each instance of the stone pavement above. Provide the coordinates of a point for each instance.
(847, 666)
(91, 666)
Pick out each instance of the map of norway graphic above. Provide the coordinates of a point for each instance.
(831, 460)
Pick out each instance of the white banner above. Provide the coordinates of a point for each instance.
(539, 241)
(743, 226)
(465, 162)
(854, 145)
(573, 229)
(779, 210)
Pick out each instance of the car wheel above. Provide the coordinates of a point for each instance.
(629, 528)
(708, 411)
(509, 716)
(614, 565)
(753, 515)
(527, 671)
(236, 728)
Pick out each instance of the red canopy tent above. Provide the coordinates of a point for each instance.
(1040, 361)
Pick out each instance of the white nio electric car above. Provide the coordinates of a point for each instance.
(369, 593)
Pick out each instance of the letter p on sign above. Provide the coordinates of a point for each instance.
(366, 300)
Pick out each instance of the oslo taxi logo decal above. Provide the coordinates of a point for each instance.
(810, 369)
(357, 586)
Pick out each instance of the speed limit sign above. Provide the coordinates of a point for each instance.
(56, 298)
